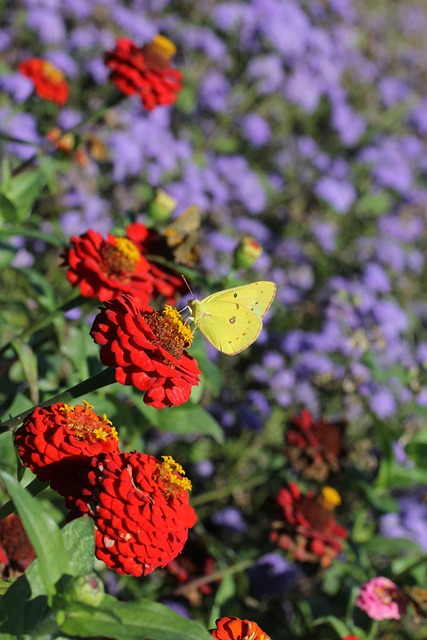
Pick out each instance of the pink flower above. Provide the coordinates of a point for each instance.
(381, 599)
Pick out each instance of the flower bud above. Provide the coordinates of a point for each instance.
(246, 253)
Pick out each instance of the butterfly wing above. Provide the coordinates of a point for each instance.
(232, 319)
(181, 236)
(229, 327)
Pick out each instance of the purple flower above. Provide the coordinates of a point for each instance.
(382, 402)
(256, 129)
(272, 574)
(231, 518)
(48, 24)
(214, 90)
(376, 279)
(19, 87)
(325, 234)
(267, 72)
(339, 194)
(303, 89)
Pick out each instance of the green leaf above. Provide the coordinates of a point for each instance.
(23, 191)
(79, 544)
(130, 621)
(184, 420)
(45, 536)
(29, 364)
(7, 209)
(19, 612)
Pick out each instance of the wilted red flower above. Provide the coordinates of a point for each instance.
(140, 509)
(147, 350)
(104, 269)
(49, 81)
(314, 446)
(232, 628)
(309, 530)
(51, 434)
(193, 563)
(16, 551)
(145, 71)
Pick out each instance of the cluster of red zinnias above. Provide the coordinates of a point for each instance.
(147, 350)
(49, 81)
(308, 529)
(16, 551)
(104, 269)
(139, 504)
(313, 446)
(145, 71)
(232, 628)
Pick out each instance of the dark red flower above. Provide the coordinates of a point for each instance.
(193, 564)
(313, 446)
(49, 81)
(104, 269)
(145, 71)
(16, 551)
(140, 509)
(232, 628)
(51, 434)
(308, 529)
(147, 350)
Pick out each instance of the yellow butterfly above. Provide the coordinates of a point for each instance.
(181, 236)
(232, 319)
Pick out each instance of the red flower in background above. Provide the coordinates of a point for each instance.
(313, 446)
(49, 435)
(104, 269)
(308, 529)
(145, 71)
(49, 81)
(192, 564)
(147, 350)
(140, 509)
(232, 628)
(16, 551)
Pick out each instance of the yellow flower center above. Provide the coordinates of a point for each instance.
(330, 498)
(52, 73)
(120, 258)
(86, 425)
(159, 51)
(170, 474)
(170, 330)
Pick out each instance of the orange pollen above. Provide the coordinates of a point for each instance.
(86, 425)
(52, 73)
(159, 51)
(330, 498)
(121, 257)
(170, 473)
(386, 595)
(170, 331)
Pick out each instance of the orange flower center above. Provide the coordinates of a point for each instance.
(386, 594)
(63, 141)
(170, 331)
(52, 73)
(170, 473)
(330, 498)
(159, 51)
(120, 258)
(86, 425)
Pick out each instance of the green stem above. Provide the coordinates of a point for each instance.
(99, 380)
(213, 577)
(72, 302)
(373, 632)
(213, 496)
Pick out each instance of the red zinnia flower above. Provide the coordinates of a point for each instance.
(51, 434)
(147, 350)
(314, 447)
(16, 551)
(49, 81)
(145, 71)
(232, 628)
(309, 530)
(104, 269)
(140, 509)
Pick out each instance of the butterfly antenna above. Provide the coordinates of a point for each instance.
(188, 286)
